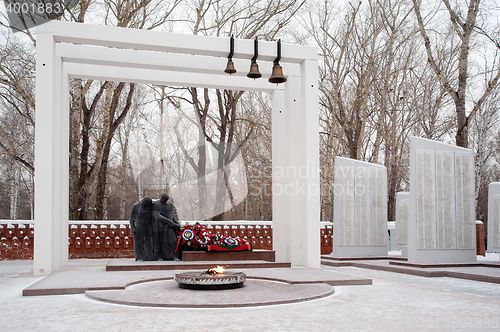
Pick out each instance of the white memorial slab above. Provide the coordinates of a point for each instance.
(441, 225)
(402, 204)
(494, 217)
(360, 209)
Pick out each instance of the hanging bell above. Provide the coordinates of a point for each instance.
(277, 74)
(254, 71)
(230, 67)
(254, 67)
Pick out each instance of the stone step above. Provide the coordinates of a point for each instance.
(477, 272)
(366, 258)
(255, 255)
(131, 265)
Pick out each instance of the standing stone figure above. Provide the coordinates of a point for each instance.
(144, 230)
(168, 223)
(138, 231)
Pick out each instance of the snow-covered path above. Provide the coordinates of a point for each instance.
(395, 302)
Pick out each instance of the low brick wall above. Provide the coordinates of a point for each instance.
(115, 240)
(16, 241)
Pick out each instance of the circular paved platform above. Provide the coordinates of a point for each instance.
(166, 293)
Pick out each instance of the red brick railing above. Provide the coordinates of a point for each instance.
(114, 239)
(16, 241)
(480, 238)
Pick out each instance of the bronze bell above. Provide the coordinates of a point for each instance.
(230, 67)
(230, 64)
(277, 74)
(254, 70)
(254, 67)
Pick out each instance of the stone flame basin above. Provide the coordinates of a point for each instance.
(210, 280)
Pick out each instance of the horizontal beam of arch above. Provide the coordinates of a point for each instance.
(85, 34)
(164, 77)
(165, 61)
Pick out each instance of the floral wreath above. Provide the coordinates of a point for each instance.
(198, 237)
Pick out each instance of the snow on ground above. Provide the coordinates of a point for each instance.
(395, 302)
(490, 256)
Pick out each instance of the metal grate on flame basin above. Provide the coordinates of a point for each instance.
(206, 281)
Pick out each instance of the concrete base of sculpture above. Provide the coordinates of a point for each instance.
(253, 255)
(127, 264)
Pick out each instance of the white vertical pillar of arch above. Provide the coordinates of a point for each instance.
(280, 154)
(292, 190)
(311, 198)
(302, 167)
(51, 142)
(296, 202)
(64, 98)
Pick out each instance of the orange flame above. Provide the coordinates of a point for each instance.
(216, 270)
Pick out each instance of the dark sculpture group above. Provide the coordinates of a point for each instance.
(154, 225)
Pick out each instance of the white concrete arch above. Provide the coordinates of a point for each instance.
(66, 50)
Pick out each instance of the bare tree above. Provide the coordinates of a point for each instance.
(463, 24)
(484, 130)
(88, 189)
(245, 20)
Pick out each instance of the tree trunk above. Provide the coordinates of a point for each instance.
(201, 166)
(74, 153)
(462, 135)
(392, 156)
(163, 177)
(201, 173)
(104, 158)
(85, 180)
(124, 174)
(13, 191)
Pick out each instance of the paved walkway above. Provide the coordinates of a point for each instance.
(395, 302)
(485, 271)
(83, 274)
